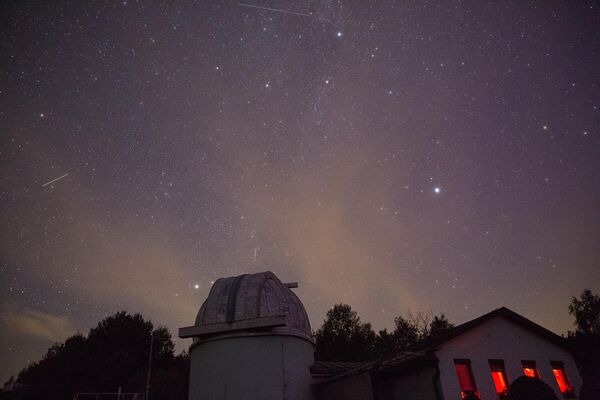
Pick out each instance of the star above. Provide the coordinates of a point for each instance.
(545, 127)
(196, 286)
(437, 190)
(339, 34)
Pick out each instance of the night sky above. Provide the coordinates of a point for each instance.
(439, 156)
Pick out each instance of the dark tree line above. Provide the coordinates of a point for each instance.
(114, 354)
(344, 337)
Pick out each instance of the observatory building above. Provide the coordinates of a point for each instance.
(252, 340)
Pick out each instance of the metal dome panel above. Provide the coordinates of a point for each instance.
(250, 304)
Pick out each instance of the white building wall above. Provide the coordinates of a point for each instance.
(500, 338)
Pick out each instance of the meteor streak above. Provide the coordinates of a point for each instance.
(54, 180)
(275, 9)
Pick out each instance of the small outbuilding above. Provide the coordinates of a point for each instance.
(475, 360)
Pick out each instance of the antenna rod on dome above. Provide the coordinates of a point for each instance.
(291, 285)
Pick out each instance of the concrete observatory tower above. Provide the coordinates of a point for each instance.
(252, 340)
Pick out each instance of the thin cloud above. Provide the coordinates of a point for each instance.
(37, 324)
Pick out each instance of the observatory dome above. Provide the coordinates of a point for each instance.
(247, 305)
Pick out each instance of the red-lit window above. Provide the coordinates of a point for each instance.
(562, 379)
(468, 390)
(529, 369)
(499, 376)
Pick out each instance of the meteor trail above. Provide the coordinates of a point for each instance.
(275, 9)
(54, 180)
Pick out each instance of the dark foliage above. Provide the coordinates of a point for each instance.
(343, 337)
(439, 325)
(586, 312)
(411, 330)
(114, 354)
(585, 342)
(526, 388)
(404, 334)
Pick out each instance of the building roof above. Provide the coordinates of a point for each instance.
(250, 304)
(502, 312)
(327, 369)
(399, 362)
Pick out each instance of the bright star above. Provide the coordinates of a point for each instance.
(437, 190)
(196, 286)
(339, 34)
(545, 127)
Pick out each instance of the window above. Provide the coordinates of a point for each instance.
(499, 376)
(529, 369)
(564, 384)
(468, 390)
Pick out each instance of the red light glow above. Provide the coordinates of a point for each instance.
(463, 372)
(465, 379)
(530, 372)
(499, 381)
(563, 382)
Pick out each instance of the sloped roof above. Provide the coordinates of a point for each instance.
(325, 369)
(502, 312)
(399, 362)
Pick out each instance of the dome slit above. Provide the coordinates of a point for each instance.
(232, 298)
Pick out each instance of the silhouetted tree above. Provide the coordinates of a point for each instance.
(526, 388)
(114, 354)
(439, 325)
(404, 334)
(343, 337)
(585, 342)
(408, 331)
(586, 312)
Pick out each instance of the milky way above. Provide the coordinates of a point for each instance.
(390, 155)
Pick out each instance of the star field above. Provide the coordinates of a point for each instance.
(393, 156)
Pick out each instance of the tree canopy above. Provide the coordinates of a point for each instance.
(344, 337)
(585, 341)
(114, 354)
(586, 311)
